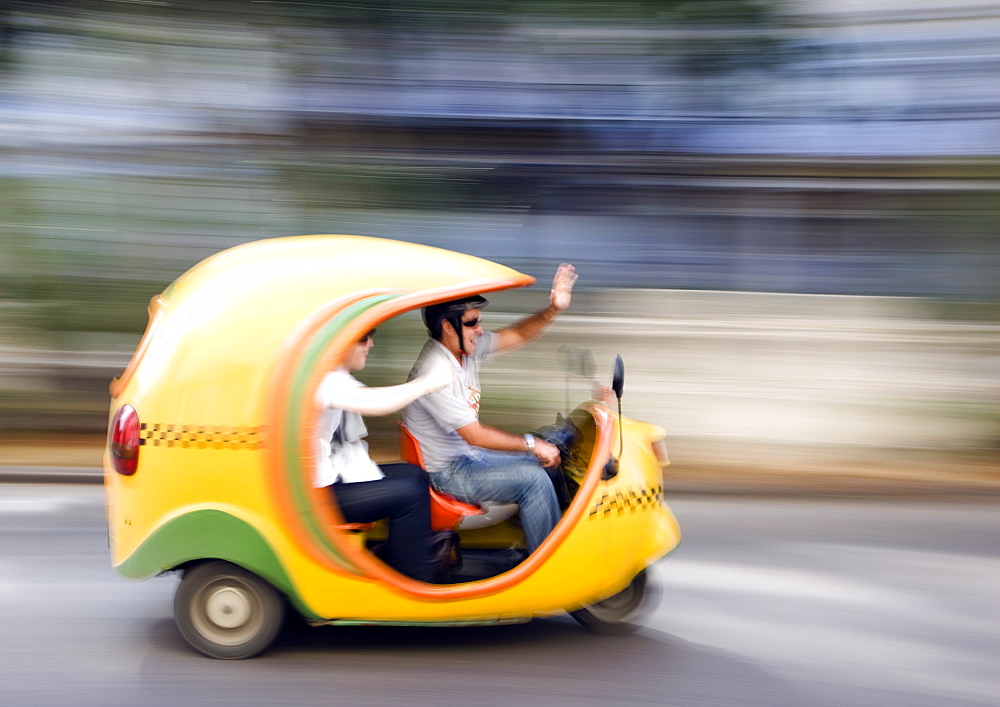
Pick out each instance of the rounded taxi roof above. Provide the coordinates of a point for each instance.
(239, 308)
(319, 267)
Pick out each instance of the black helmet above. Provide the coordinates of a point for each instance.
(452, 311)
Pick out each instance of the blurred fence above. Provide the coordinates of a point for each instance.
(714, 367)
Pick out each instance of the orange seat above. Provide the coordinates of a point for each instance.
(409, 447)
(446, 511)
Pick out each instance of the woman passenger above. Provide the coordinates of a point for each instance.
(364, 491)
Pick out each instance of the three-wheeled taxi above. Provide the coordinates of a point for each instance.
(210, 458)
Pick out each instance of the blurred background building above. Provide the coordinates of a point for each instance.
(785, 212)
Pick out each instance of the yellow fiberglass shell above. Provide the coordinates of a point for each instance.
(222, 383)
(642, 526)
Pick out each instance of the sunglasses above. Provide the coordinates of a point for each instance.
(367, 337)
(472, 323)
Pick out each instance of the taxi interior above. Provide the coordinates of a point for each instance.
(489, 539)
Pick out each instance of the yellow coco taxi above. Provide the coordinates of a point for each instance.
(209, 460)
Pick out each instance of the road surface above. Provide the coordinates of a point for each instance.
(767, 602)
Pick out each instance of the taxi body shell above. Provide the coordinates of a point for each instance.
(222, 384)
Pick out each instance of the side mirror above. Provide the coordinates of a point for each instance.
(617, 385)
(618, 379)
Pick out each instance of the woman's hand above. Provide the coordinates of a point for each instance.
(440, 375)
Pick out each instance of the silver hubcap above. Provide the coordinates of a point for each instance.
(228, 607)
(227, 613)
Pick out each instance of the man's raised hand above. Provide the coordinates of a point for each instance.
(562, 286)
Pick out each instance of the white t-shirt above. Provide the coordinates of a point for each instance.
(434, 418)
(349, 462)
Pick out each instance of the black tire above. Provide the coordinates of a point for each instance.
(227, 612)
(617, 615)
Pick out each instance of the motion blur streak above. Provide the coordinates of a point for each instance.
(805, 192)
(785, 217)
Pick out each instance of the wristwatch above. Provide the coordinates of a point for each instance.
(529, 442)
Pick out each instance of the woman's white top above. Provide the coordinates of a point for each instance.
(343, 399)
(345, 459)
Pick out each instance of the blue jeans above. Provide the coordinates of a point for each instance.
(505, 477)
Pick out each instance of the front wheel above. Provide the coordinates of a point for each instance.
(227, 612)
(617, 614)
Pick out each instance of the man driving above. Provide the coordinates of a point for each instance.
(469, 460)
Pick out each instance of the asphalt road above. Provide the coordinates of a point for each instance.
(767, 602)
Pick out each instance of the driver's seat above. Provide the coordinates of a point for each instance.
(447, 511)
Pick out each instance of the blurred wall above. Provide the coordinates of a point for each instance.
(835, 162)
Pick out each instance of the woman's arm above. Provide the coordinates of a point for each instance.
(344, 392)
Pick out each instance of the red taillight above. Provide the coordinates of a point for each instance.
(125, 440)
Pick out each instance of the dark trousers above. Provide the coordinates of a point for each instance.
(402, 497)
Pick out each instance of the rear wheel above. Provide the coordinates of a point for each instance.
(617, 614)
(227, 612)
